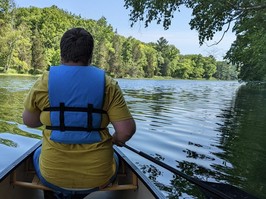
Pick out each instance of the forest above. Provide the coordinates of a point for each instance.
(30, 45)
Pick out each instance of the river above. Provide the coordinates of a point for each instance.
(212, 130)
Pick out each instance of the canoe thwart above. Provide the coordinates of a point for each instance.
(125, 180)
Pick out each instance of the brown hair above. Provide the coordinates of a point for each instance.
(77, 46)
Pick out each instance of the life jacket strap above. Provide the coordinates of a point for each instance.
(73, 128)
(62, 109)
(75, 109)
(62, 116)
(89, 122)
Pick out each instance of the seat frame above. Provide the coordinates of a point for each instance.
(125, 180)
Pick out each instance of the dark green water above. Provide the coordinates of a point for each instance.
(213, 130)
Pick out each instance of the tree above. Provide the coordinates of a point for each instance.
(114, 60)
(30, 43)
(209, 67)
(168, 54)
(225, 71)
(38, 59)
(21, 59)
(198, 65)
(161, 47)
(151, 56)
(8, 36)
(127, 55)
(211, 16)
(103, 45)
(248, 51)
(139, 59)
(184, 68)
(6, 7)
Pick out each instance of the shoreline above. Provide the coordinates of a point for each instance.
(17, 74)
(133, 78)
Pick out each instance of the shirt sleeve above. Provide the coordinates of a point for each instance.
(37, 98)
(117, 108)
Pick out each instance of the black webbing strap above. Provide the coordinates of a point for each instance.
(89, 113)
(62, 109)
(62, 117)
(73, 128)
(75, 109)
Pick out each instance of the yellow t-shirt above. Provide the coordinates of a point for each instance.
(78, 165)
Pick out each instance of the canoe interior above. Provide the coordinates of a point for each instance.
(24, 172)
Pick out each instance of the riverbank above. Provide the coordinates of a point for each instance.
(30, 75)
(17, 74)
(152, 78)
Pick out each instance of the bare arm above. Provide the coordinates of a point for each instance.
(31, 119)
(124, 130)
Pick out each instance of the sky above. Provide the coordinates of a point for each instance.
(179, 33)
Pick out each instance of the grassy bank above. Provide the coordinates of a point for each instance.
(17, 74)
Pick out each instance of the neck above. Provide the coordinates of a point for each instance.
(71, 63)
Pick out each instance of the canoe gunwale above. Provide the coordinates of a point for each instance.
(145, 180)
(140, 175)
(8, 170)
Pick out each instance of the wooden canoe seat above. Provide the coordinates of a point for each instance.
(126, 180)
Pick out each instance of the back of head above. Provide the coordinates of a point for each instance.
(77, 46)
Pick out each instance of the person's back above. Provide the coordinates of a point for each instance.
(76, 102)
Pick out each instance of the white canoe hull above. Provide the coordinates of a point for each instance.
(11, 189)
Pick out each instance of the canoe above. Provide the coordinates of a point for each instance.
(18, 181)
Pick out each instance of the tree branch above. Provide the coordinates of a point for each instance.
(216, 43)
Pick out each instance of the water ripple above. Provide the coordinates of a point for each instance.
(212, 130)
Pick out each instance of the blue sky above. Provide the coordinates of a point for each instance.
(179, 34)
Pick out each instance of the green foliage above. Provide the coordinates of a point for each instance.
(248, 51)
(102, 36)
(168, 55)
(30, 44)
(11, 71)
(198, 66)
(151, 59)
(184, 68)
(114, 60)
(209, 67)
(150, 10)
(21, 59)
(210, 17)
(6, 7)
(35, 71)
(225, 71)
(37, 51)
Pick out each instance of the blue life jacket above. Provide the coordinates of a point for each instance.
(76, 95)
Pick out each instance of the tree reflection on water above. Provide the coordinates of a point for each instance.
(241, 140)
(8, 142)
(178, 186)
(194, 125)
(11, 108)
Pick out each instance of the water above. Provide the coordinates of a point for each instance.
(213, 130)
(15, 139)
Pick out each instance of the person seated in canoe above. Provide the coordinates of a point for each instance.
(76, 101)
